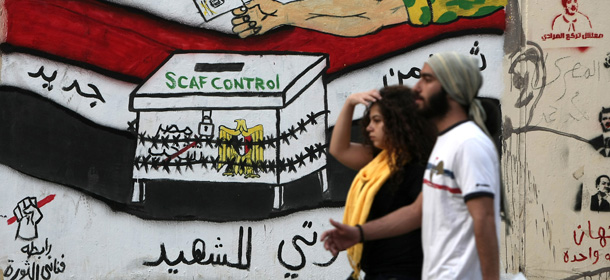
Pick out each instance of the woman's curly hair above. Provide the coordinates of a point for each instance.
(409, 137)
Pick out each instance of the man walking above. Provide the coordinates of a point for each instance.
(458, 209)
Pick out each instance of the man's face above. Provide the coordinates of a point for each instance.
(571, 7)
(605, 122)
(429, 98)
(603, 185)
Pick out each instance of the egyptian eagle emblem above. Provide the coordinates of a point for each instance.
(240, 149)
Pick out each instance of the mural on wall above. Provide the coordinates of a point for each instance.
(242, 259)
(571, 20)
(601, 143)
(175, 94)
(199, 254)
(529, 78)
(572, 25)
(554, 158)
(211, 113)
(599, 200)
(286, 145)
(37, 259)
(352, 18)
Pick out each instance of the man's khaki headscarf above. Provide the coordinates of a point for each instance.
(460, 76)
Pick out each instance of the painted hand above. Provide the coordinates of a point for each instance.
(28, 215)
(340, 238)
(257, 17)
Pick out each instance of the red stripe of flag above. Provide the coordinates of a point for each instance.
(134, 44)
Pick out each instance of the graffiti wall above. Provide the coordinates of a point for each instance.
(189, 139)
(555, 153)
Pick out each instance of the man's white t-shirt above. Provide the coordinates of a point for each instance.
(463, 165)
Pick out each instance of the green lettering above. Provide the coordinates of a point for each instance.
(248, 80)
(229, 86)
(172, 83)
(180, 81)
(194, 83)
(259, 84)
(238, 84)
(277, 81)
(202, 81)
(214, 84)
(270, 84)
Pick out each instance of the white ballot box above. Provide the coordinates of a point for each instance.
(254, 118)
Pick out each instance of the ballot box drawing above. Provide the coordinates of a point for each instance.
(239, 118)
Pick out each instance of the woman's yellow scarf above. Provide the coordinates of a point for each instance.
(360, 198)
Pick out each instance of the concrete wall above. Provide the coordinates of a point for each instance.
(158, 140)
(556, 86)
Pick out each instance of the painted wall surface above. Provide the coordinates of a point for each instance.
(188, 139)
(556, 88)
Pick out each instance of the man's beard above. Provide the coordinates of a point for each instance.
(437, 105)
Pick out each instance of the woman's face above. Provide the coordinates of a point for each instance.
(376, 128)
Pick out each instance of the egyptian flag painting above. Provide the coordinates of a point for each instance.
(221, 109)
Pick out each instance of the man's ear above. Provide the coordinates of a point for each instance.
(454, 104)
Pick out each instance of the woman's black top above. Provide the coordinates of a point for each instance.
(401, 254)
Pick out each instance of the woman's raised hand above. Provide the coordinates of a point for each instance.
(365, 97)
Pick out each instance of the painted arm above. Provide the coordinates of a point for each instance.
(401, 221)
(352, 155)
(352, 18)
(421, 12)
(349, 18)
(482, 211)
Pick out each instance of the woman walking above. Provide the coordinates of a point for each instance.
(391, 160)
